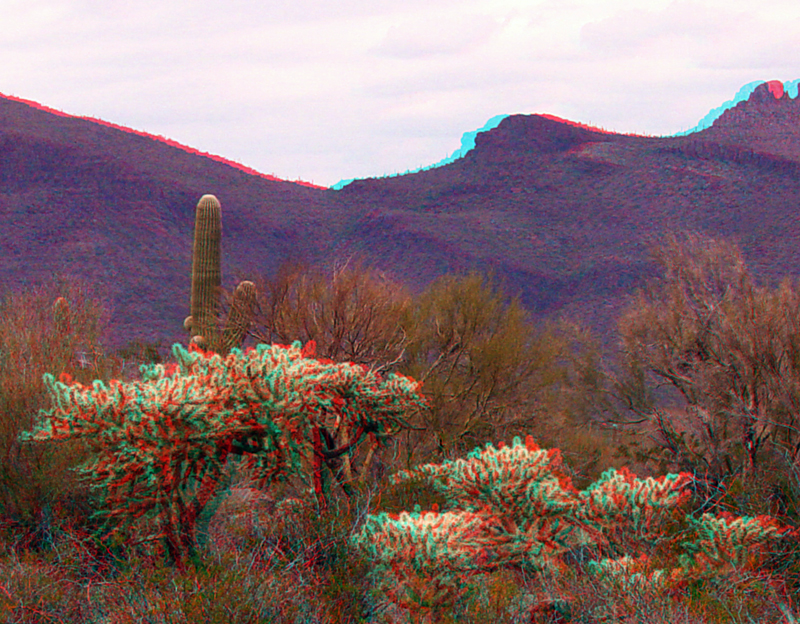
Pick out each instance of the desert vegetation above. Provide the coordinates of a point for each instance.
(706, 387)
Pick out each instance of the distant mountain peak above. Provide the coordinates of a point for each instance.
(765, 119)
(775, 88)
(757, 91)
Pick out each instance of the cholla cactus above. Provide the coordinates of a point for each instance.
(515, 507)
(162, 444)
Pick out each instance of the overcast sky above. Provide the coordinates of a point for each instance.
(324, 90)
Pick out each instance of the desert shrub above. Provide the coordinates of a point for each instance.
(486, 368)
(37, 482)
(709, 365)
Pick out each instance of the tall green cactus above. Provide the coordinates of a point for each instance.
(206, 286)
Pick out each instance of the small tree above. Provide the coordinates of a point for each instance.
(727, 349)
(352, 316)
(487, 371)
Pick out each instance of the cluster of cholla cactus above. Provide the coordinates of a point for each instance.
(206, 286)
(160, 445)
(516, 508)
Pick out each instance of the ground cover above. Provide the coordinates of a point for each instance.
(297, 567)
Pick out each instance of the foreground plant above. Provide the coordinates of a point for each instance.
(161, 445)
(514, 508)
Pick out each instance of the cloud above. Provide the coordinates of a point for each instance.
(331, 90)
(682, 29)
(706, 35)
(431, 34)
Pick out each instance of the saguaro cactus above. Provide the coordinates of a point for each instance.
(207, 282)
(240, 317)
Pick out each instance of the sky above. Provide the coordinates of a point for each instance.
(331, 90)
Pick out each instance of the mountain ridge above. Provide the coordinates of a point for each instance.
(563, 213)
(468, 140)
(156, 137)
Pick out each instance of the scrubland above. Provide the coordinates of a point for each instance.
(490, 375)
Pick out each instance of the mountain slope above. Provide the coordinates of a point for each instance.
(567, 213)
(117, 209)
(563, 213)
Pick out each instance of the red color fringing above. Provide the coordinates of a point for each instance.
(159, 138)
(775, 88)
(584, 126)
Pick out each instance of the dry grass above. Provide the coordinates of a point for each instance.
(297, 568)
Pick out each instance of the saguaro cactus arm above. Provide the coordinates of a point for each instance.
(240, 317)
